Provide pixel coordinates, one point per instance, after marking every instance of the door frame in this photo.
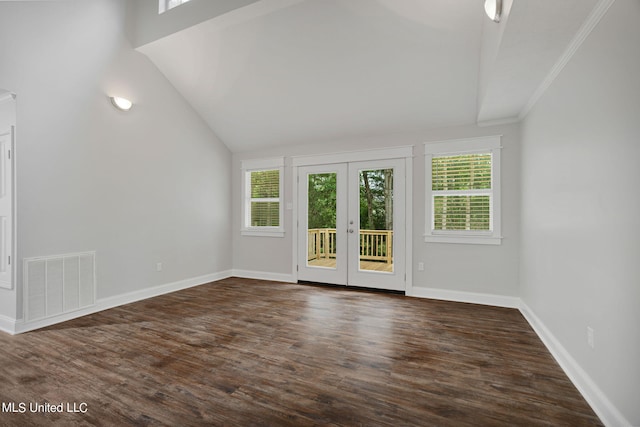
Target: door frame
(402, 152)
(13, 244)
(338, 275)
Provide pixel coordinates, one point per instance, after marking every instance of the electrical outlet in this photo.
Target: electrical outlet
(421, 266)
(159, 266)
(590, 337)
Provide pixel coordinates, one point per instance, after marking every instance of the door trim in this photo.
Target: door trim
(353, 156)
(10, 257)
(403, 152)
(338, 275)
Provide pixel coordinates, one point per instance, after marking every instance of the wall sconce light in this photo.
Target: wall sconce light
(493, 8)
(120, 103)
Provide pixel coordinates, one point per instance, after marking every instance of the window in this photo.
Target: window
(265, 198)
(165, 5)
(262, 201)
(463, 191)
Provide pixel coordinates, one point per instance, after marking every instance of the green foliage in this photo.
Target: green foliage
(377, 199)
(322, 200)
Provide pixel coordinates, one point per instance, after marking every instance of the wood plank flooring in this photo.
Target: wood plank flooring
(242, 352)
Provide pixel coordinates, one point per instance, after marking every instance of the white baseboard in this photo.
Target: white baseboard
(115, 301)
(469, 297)
(598, 401)
(110, 302)
(22, 326)
(263, 275)
(7, 325)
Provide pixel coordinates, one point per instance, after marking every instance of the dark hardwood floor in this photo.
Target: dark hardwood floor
(242, 352)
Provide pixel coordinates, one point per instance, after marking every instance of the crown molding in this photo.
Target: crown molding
(496, 122)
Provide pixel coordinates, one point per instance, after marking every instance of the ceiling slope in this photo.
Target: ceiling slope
(280, 72)
(320, 69)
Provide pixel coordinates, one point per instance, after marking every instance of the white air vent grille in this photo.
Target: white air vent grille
(58, 285)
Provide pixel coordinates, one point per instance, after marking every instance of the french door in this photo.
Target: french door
(351, 224)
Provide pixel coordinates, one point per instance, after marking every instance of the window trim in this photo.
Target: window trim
(489, 144)
(255, 165)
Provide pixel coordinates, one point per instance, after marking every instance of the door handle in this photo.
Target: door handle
(351, 230)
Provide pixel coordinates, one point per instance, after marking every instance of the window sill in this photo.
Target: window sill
(463, 239)
(262, 233)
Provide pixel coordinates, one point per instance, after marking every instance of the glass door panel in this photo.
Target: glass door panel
(376, 220)
(321, 220)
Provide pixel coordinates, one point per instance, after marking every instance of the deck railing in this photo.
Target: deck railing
(321, 243)
(375, 245)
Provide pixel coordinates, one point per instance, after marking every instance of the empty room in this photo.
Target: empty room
(320, 212)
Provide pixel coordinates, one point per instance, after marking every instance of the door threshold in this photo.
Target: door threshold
(351, 288)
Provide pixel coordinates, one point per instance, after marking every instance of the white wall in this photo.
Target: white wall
(147, 186)
(580, 205)
(489, 269)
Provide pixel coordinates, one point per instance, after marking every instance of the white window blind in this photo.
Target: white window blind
(462, 192)
(265, 198)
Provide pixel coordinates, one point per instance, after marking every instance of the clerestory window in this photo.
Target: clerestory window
(165, 5)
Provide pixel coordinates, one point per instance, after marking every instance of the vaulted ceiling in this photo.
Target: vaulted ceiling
(279, 72)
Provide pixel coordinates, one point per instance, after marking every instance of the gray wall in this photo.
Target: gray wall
(147, 186)
(580, 202)
(488, 269)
